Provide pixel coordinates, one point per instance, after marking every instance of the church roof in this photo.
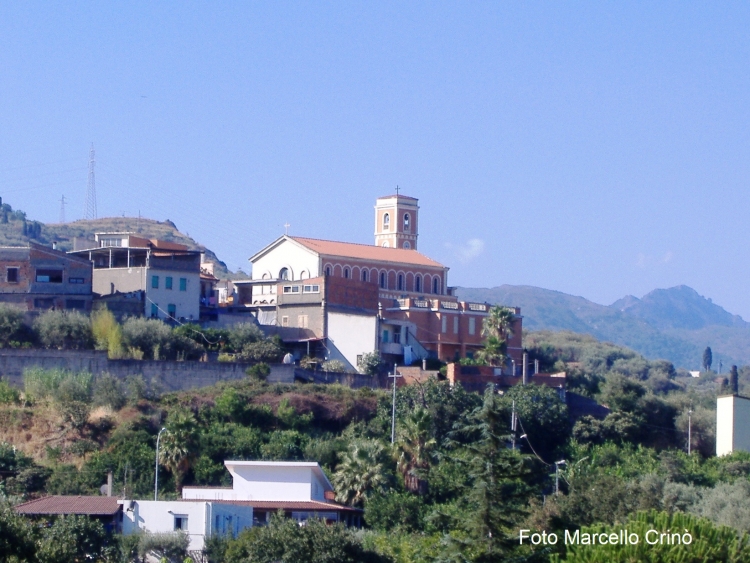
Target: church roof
(366, 252)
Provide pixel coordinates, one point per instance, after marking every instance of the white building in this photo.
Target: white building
(198, 519)
(732, 424)
(300, 489)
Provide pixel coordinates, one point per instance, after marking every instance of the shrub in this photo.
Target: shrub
(8, 395)
(11, 325)
(268, 350)
(259, 371)
(150, 336)
(336, 366)
(243, 334)
(171, 546)
(370, 363)
(107, 333)
(109, 391)
(64, 330)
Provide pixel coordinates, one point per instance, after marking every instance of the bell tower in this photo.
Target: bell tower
(396, 221)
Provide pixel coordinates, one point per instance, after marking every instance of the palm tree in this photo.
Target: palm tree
(497, 328)
(177, 450)
(361, 472)
(414, 449)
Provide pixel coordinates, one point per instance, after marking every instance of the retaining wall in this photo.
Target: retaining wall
(168, 375)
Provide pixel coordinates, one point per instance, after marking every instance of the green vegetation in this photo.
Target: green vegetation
(450, 488)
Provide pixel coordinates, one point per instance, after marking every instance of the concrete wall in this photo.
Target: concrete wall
(732, 424)
(352, 335)
(168, 376)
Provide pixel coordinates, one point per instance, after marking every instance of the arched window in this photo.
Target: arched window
(385, 244)
(407, 222)
(383, 280)
(418, 283)
(364, 275)
(387, 222)
(400, 282)
(328, 270)
(346, 273)
(284, 274)
(407, 246)
(435, 285)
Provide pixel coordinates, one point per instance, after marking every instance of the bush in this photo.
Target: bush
(42, 383)
(107, 333)
(243, 334)
(150, 336)
(171, 546)
(259, 371)
(64, 330)
(370, 363)
(336, 366)
(268, 350)
(8, 395)
(109, 392)
(11, 325)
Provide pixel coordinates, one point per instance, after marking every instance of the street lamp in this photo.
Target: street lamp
(557, 475)
(156, 465)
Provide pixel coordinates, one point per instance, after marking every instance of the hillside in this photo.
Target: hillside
(674, 324)
(17, 229)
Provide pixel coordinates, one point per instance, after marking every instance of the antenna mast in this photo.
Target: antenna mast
(62, 209)
(89, 211)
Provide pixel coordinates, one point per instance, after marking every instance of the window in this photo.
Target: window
(44, 303)
(407, 246)
(310, 289)
(418, 283)
(383, 280)
(105, 242)
(77, 304)
(284, 274)
(407, 222)
(76, 280)
(12, 275)
(386, 222)
(386, 336)
(154, 311)
(284, 321)
(180, 522)
(172, 311)
(183, 284)
(385, 244)
(302, 321)
(472, 325)
(168, 282)
(400, 282)
(444, 327)
(49, 276)
(155, 282)
(346, 273)
(328, 270)
(397, 335)
(435, 285)
(455, 325)
(364, 275)
(291, 289)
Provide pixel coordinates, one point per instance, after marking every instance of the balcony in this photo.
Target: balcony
(394, 348)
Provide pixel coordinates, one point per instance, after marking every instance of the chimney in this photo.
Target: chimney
(536, 367)
(54, 245)
(109, 483)
(525, 368)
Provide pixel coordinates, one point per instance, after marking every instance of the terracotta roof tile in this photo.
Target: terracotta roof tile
(89, 505)
(367, 252)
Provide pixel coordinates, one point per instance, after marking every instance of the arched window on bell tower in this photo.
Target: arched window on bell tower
(387, 222)
(407, 222)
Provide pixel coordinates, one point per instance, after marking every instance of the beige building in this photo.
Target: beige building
(167, 273)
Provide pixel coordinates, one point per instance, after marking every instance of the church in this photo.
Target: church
(340, 300)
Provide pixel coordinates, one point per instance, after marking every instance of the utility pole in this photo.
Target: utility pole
(557, 475)
(513, 420)
(156, 465)
(62, 209)
(393, 414)
(690, 430)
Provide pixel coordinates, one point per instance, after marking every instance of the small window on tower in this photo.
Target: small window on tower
(407, 222)
(284, 274)
(346, 273)
(364, 275)
(385, 244)
(387, 222)
(382, 280)
(407, 246)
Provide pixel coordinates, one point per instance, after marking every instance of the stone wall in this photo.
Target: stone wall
(167, 375)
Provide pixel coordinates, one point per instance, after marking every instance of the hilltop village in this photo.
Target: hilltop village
(341, 404)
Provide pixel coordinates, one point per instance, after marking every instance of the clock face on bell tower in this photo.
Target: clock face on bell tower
(396, 221)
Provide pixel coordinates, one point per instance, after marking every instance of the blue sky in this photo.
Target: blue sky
(600, 149)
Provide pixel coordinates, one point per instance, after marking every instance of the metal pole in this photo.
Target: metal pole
(690, 430)
(156, 465)
(557, 479)
(513, 425)
(393, 414)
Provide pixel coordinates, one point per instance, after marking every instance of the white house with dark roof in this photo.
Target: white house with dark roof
(298, 488)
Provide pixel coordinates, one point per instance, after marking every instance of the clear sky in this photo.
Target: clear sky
(600, 149)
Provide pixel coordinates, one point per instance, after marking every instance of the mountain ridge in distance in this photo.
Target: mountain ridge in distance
(675, 324)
